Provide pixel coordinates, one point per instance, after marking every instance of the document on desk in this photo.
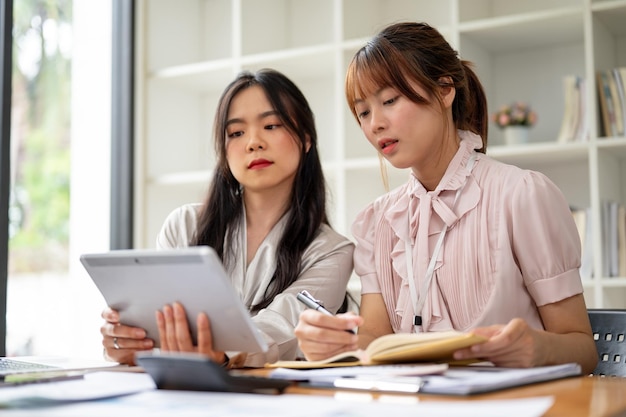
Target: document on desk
(166, 403)
(464, 380)
(93, 386)
(474, 380)
(323, 374)
(380, 378)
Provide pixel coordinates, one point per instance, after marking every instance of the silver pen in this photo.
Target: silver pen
(305, 297)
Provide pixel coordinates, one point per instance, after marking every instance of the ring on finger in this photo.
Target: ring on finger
(115, 344)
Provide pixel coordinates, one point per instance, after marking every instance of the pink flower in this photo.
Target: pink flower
(515, 114)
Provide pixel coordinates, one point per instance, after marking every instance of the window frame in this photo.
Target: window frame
(6, 65)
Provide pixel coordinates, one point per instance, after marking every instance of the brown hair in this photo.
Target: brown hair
(418, 52)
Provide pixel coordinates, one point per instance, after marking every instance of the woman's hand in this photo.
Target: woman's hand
(321, 336)
(514, 345)
(122, 342)
(567, 338)
(175, 335)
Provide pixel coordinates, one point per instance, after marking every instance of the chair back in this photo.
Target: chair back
(609, 330)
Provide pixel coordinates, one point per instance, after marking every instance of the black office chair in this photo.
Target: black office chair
(609, 332)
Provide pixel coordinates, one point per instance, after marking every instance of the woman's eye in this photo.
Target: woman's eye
(272, 126)
(234, 134)
(363, 114)
(391, 100)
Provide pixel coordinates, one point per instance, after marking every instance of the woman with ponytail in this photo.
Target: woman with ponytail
(468, 243)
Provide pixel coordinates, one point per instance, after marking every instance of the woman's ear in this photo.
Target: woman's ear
(307, 144)
(447, 91)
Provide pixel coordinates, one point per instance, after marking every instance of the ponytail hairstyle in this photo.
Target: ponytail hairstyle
(405, 52)
(223, 208)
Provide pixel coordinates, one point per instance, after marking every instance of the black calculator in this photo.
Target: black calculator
(192, 372)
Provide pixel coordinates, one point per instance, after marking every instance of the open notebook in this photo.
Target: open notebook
(396, 348)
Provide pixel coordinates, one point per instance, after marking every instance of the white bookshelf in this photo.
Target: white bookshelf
(189, 50)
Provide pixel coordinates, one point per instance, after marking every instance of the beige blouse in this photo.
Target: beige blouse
(326, 269)
(511, 245)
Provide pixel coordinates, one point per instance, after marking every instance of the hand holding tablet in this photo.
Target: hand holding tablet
(138, 282)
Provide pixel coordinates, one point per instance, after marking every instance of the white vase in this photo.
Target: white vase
(515, 135)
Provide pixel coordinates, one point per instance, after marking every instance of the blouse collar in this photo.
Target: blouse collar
(454, 178)
(456, 174)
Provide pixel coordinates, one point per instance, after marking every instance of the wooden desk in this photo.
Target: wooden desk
(573, 397)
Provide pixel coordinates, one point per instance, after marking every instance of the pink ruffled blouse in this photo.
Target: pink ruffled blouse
(511, 246)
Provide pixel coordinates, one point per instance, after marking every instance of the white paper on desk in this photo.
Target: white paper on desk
(93, 386)
(324, 374)
(161, 403)
(473, 380)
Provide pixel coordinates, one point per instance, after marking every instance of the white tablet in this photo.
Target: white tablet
(138, 282)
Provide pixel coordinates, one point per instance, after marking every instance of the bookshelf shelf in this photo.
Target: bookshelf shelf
(543, 152)
(529, 30)
(189, 50)
(617, 146)
(612, 14)
(614, 282)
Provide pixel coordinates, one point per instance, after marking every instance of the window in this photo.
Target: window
(60, 174)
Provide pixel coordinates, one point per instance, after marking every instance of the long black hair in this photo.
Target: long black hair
(223, 207)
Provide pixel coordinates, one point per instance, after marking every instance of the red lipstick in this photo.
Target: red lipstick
(259, 164)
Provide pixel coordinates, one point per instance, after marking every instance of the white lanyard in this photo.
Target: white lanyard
(419, 299)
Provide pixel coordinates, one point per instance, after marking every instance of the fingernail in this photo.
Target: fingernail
(140, 334)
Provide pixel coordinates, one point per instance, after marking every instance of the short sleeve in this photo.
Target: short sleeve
(545, 241)
(363, 231)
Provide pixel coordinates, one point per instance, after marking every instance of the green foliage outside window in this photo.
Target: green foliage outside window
(39, 212)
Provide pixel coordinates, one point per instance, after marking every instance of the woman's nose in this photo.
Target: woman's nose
(256, 142)
(254, 146)
(378, 121)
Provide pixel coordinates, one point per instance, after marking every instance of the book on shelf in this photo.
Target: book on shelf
(606, 238)
(582, 218)
(396, 348)
(603, 88)
(621, 242)
(574, 123)
(568, 123)
(610, 106)
(617, 104)
(619, 76)
(613, 239)
(582, 125)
